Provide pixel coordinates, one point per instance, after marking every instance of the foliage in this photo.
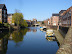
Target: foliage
(24, 24)
(18, 35)
(17, 18)
(1, 25)
(43, 22)
(7, 24)
(0, 22)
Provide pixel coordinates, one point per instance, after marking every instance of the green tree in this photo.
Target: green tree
(18, 20)
(17, 17)
(42, 22)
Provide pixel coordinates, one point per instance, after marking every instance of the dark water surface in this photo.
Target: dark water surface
(27, 41)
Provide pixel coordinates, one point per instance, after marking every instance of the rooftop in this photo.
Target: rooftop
(55, 14)
(2, 5)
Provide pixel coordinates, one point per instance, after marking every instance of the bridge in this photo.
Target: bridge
(36, 25)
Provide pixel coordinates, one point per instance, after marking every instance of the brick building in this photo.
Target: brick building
(3, 13)
(67, 17)
(55, 19)
(35, 21)
(28, 22)
(60, 16)
(46, 22)
(10, 18)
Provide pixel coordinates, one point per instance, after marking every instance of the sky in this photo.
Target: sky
(39, 9)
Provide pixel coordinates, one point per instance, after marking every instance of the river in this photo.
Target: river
(27, 41)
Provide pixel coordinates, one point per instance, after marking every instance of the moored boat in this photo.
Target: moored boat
(50, 32)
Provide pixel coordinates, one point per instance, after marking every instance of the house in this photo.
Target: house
(45, 22)
(48, 21)
(60, 16)
(28, 22)
(34, 21)
(67, 17)
(10, 19)
(3, 13)
(55, 19)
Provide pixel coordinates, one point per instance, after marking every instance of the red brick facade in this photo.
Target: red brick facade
(10, 18)
(55, 20)
(67, 18)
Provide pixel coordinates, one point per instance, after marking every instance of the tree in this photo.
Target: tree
(18, 20)
(42, 22)
(17, 17)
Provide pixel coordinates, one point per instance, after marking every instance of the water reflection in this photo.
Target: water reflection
(34, 30)
(17, 36)
(3, 42)
(25, 41)
(52, 38)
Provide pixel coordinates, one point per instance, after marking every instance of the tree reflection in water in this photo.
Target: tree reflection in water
(17, 36)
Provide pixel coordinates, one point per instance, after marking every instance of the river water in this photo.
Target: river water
(27, 41)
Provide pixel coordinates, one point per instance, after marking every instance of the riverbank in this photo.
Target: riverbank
(66, 46)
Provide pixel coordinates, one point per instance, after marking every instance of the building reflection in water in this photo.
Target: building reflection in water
(29, 30)
(52, 38)
(34, 30)
(3, 43)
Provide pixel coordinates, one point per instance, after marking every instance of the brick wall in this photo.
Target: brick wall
(55, 20)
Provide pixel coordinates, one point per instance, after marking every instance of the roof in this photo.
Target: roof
(62, 11)
(67, 10)
(2, 5)
(55, 14)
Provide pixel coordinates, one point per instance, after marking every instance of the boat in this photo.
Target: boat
(50, 32)
(41, 28)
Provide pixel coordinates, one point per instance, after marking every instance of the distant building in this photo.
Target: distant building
(67, 17)
(46, 22)
(39, 22)
(60, 16)
(28, 22)
(3, 13)
(34, 21)
(54, 19)
(10, 19)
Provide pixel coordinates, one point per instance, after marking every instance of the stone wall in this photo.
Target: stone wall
(66, 47)
(63, 30)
